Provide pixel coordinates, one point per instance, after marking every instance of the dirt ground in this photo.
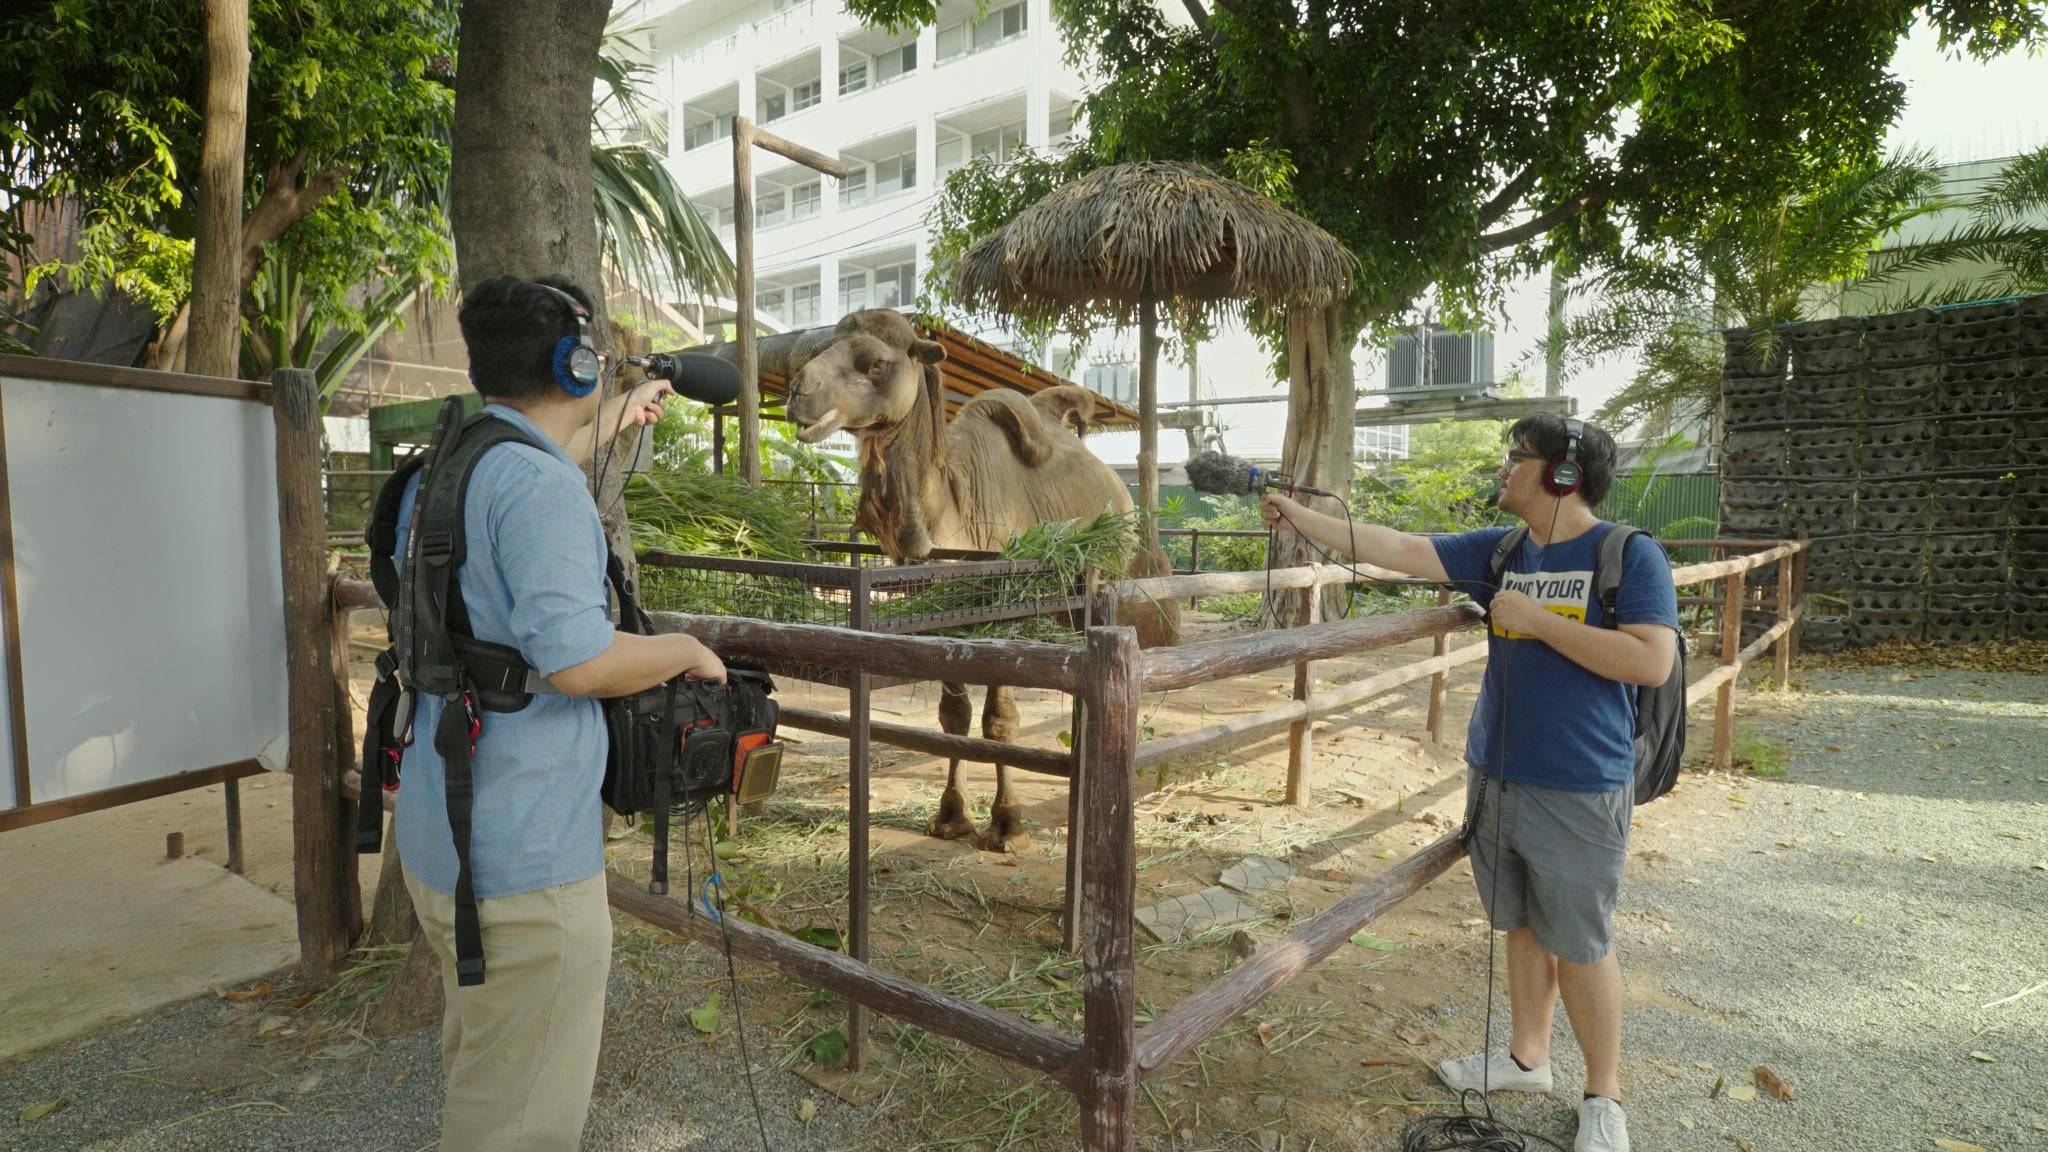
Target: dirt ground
(1337, 1060)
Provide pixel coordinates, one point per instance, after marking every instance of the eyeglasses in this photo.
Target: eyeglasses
(1516, 456)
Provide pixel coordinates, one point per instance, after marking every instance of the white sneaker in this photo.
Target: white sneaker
(1603, 1126)
(1476, 1073)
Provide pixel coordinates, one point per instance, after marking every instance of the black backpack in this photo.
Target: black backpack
(1660, 708)
(671, 747)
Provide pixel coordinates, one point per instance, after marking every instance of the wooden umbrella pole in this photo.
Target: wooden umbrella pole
(1148, 419)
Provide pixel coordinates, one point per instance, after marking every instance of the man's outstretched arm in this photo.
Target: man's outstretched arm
(1373, 544)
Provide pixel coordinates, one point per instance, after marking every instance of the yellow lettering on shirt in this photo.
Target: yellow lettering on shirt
(1565, 593)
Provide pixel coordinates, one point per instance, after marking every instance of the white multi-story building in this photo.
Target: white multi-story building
(900, 110)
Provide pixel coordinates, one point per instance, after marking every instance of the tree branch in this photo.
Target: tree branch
(1357, 135)
(284, 203)
(1198, 14)
(1504, 200)
(1537, 226)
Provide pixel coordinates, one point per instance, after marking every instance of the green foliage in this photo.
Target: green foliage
(1444, 485)
(1797, 257)
(353, 95)
(1419, 140)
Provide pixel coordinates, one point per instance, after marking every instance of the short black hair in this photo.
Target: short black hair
(1545, 433)
(511, 327)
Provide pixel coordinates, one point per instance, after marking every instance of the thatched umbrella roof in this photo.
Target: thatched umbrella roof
(1175, 233)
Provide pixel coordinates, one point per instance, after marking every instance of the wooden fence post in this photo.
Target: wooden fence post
(1731, 647)
(1799, 590)
(1442, 647)
(323, 858)
(1781, 652)
(1301, 754)
(1100, 612)
(857, 714)
(1107, 1079)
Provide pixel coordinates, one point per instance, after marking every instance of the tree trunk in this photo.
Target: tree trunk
(215, 329)
(391, 917)
(1322, 398)
(414, 998)
(520, 191)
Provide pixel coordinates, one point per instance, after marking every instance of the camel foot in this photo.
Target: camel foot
(950, 822)
(1005, 832)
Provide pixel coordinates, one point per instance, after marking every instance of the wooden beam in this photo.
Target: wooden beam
(1714, 570)
(1435, 724)
(934, 1011)
(132, 379)
(48, 810)
(1196, 1018)
(1195, 584)
(743, 299)
(1731, 646)
(1241, 730)
(816, 161)
(324, 885)
(1301, 733)
(1018, 663)
(1107, 1072)
(1207, 661)
(1781, 663)
(1045, 761)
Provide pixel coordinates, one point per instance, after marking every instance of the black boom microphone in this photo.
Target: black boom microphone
(697, 376)
(1220, 475)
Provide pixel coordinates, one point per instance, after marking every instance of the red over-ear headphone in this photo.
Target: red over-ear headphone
(1563, 475)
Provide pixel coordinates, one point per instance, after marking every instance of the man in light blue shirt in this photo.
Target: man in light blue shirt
(520, 1051)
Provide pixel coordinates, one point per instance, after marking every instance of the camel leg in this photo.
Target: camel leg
(1005, 831)
(956, 713)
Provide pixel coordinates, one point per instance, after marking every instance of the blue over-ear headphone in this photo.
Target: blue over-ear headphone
(576, 363)
(1563, 475)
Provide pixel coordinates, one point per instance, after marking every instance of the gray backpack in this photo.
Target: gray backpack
(1660, 708)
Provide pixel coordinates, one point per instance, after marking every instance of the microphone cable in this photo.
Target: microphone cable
(1463, 1130)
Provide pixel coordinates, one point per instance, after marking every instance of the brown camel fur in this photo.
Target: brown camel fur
(1003, 464)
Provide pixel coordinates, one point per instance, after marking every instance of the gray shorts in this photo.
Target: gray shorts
(1558, 865)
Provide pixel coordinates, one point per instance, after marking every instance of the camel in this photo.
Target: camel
(1003, 464)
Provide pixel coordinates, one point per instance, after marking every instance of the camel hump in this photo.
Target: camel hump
(1019, 420)
(1068, 405)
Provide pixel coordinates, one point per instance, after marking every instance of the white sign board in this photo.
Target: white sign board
(147, 577)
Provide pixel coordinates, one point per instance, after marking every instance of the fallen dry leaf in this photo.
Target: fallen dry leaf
(1959, 1146)
(806, 1111)
(1670, 1070)
(1719, 1083)
(1743, 1145)
(1413, 1035)
(1742, 1092)
(1377, 1062)
(1983, 1057)
(1686, 1123)
(1771, 1083)
(38, 1111)
(1265, 1033)
(250, 993)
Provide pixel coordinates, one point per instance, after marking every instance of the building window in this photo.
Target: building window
(853, 292)
(774, 108)
(1119, 382)
(771, 208)
(853, 77)
(895, 63)
(769, 302)
(950, 154)
(952, 41)
(895, 286)
(854, 189)
(896, 174)
(998, 144)
(997, 27)
(803, 201)
(707, 131)
(805, 95)
(1061, 123)
(803, 305)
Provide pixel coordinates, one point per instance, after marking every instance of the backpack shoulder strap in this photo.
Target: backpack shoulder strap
(382, 533)
(1608, 564)
(1505, 551)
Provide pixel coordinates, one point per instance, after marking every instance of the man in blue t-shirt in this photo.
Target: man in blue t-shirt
(1550, 751)
(519, 1051)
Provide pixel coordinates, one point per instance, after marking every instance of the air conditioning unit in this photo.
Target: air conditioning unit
(1435, 362)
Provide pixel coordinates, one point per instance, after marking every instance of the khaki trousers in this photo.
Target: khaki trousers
(519, 1051)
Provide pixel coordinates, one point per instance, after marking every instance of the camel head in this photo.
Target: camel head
(870, 377)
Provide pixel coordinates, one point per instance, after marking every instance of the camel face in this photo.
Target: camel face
(861, 382)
